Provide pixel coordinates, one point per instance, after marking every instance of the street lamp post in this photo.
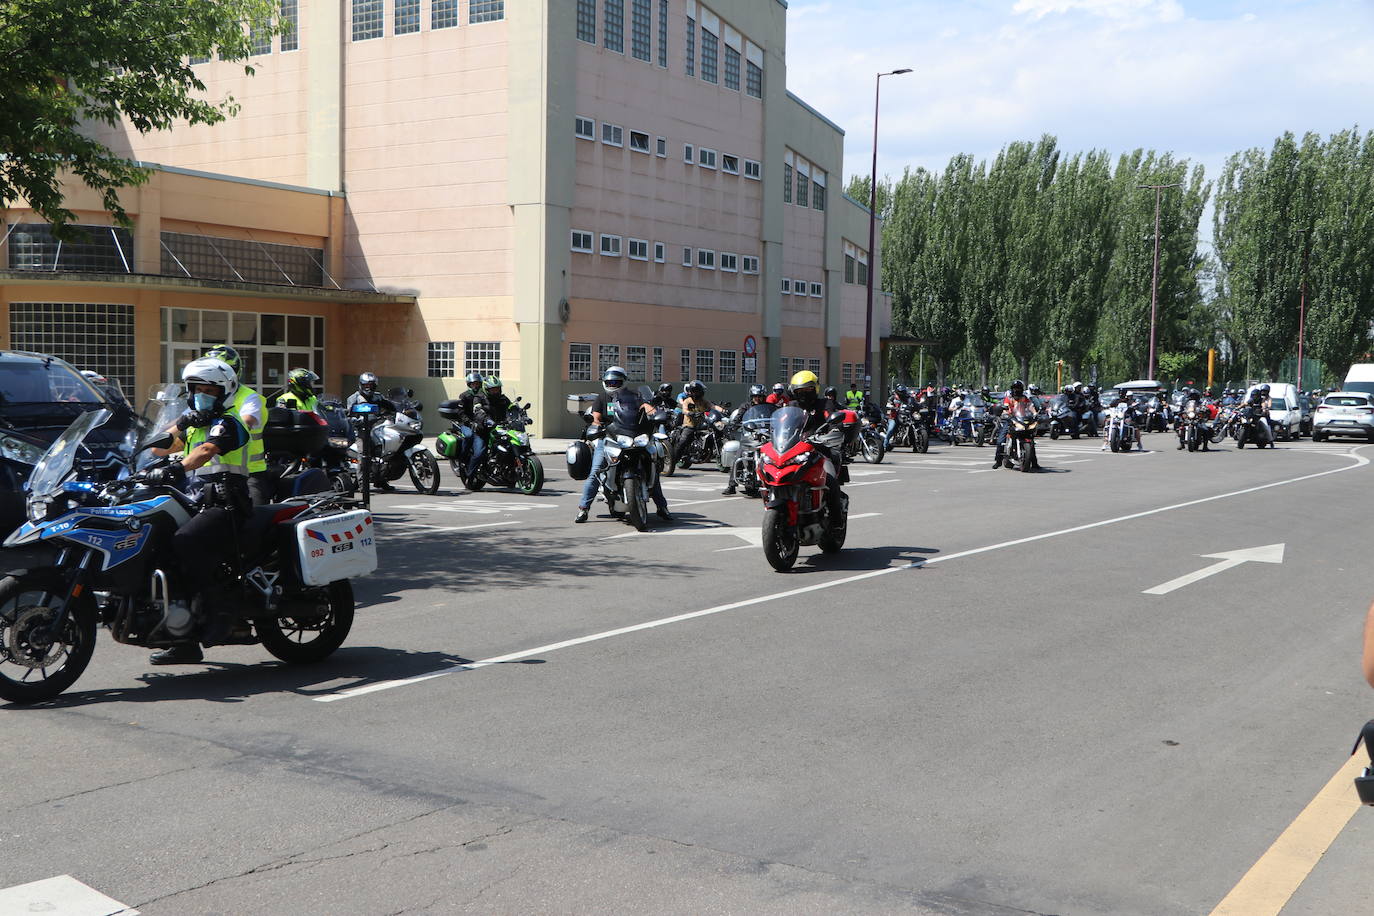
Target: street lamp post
(872, 224)
(1302, 300)
(1154, 276)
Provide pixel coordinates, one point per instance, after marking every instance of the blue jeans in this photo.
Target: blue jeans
(887, 436)
(474, 446)
(593, 484)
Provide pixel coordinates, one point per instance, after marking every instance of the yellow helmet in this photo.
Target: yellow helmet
(805, 380)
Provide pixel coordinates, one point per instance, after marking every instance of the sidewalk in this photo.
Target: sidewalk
(544, 446)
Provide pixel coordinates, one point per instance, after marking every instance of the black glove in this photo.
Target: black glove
(171, 475)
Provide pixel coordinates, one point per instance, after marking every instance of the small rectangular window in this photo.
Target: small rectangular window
(706, 365)
(786, 183)
(706, 158)
(798, 287)
(753, 79)
(814, 366)
(290, 25)
(729, 164)
(685, 363)
(610, 246)
(751, 264)
(706, 259)
(641, 25)
(586, 19)
(407, 17)
(815, 290)
(786, 286)
(729, 262)
(817, 196)
(691, 46)
(849, 268)
(660, 252)
(726, 367)
(486, 10)
(443, 14)
(637, 363)
(441, 359)
(586, 128)
(612, 134)
(663, 33)
(662, 148)
(686, 257)
(656, 366)
(607, 355)
(731, 68)
(613, 26)
(687, 153)
(803, 190)
(482, 356)
(639, 249)
(581, 241)
(639, 141)
(710, 47)
(579, 362)
(753, 169)
(862, 274)
(367, 19)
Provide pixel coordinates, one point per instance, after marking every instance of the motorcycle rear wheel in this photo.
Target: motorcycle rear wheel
(780, 541)
(833, 541)
(304, 642)
(424, 473)
(529, 475)
(75, 644)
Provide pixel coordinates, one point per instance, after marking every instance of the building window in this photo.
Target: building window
(663, 33)
(88, 335)
(729, 262)
(613, 26)
(482, 356)
(639, 250)
(662, 148)
(753, 79)
(706, 364)
(239, 259)
(582, 241)
(290, 25)
(259, 39)
(636, 363)
(798, 287)
(97, 249)
(729, 164)
(691, 46)
(443, 14)
(803, 190)
(610, 246)
(706, 259)
(612, 134)
(639, 141)
(586, 128)
(367, 19)
(861, 274)
(441, 359)
(486, 10)
(660, 253)
(753, 169)
(731, 68)
(657, 366)
(786, 183)
(685, 363)
(641, 24)
(579, 362)
(786, 286)
(687, 153)
(817, 196)
(727, 366)
(407, 17)
(710, 47)
(686, 257)
(607, 355)
(273, 343)
(586, 20)
(848, 268)
(816, 290)
(706, 158)
(814, 366)
(751, 264)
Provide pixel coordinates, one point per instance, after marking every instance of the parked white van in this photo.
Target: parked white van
(1285, 414)
(1360, 378)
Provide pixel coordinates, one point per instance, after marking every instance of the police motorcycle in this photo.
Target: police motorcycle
(633, 448)
(740, 455)
(508, 460)
(92, 552)
(396, 447)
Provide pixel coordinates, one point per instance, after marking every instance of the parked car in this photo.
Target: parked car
(39, 397)
(1344, 413)
(1285, 414)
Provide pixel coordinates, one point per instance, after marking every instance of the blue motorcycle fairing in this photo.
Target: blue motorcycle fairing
(116, 545)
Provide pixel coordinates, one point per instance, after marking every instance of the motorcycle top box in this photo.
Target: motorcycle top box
(451, 410)
(334, 547)
(297, 433)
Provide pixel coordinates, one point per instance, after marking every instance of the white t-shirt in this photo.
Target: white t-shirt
(250, 409)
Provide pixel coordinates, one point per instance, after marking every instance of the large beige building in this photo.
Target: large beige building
(536, 188)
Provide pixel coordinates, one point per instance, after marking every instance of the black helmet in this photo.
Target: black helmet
(367, 383)
(474, 380)
(901, 390)
(696, 389)
(1017, 388)
(665, 390)
(832, 393)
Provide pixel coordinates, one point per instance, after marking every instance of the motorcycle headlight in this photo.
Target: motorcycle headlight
(522, 439)
(19, 450)
(624, 441)
(38, 509)
(613, 449)
(338, 442)
(720, 424)
(642, 441)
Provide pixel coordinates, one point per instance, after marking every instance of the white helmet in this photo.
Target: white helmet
(613, 379)
(210, 371)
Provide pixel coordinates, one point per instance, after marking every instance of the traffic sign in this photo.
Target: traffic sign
(750, 345)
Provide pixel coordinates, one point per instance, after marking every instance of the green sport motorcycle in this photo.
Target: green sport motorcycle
(508, 460)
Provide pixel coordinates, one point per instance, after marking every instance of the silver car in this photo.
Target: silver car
(1344, 413)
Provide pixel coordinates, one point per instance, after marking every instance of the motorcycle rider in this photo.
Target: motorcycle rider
(1017, 404)
(900, 397)
(216, 450)
(1259, 399)
(247, 407)
(369, 392)
(300, 391)
(473, 412)
(663, 398)
(1206, 413)
(854, 398)
(694, 408)
(758, 397)
(805, 391)
(779, 397)
(615, 395)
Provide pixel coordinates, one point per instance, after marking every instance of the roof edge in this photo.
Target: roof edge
(228, 287)
(794, 97)
(236, 179)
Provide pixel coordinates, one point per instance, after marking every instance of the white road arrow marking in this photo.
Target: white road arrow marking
(1273, 553)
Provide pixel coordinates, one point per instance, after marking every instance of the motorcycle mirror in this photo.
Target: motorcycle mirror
(162, 440)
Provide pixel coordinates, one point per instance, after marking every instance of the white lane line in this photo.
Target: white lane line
(385, 525)
(1360, 461)
(62, 894)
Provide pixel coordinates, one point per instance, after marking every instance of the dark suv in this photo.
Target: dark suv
(39, 397)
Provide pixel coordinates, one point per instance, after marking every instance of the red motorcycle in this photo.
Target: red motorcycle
(794, 478)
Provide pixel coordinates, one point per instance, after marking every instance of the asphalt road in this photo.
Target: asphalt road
(975, 708)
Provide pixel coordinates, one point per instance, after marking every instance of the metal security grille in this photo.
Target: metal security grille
(753, 79)
(731, 68)
(290, 25)
(486, 10)
(641, 24)
(586, 20)
(579, 362)
(636, 361)
(88, 335)
(482, 356)
(613, 32)
(443, 14)
(710, 48)
(240, 259)
(407, 16)
(367, 19)
(663, 33)
(441, 359)
(98, 249)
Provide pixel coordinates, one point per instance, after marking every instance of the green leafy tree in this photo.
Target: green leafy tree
(1019, 195)
(858, 189)
(1080, 242)
(68, 62)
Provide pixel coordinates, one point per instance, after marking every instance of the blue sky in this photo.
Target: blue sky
(1203, 79)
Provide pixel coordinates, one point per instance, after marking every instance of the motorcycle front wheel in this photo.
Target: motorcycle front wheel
(920, 441)
(306, 640)
(529, 475)
(635, 512)
(343, 483)
(780, 541)
(32, 666)
(872, 448)
(424, 473)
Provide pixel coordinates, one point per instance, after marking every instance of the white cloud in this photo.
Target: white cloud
(1163, 10)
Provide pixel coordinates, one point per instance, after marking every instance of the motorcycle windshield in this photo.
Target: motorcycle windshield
(758, 413)
(162, 410)
(786, 426)
(57, 461)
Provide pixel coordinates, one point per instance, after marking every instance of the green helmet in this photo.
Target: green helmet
(226, 354)
(492, 383)
(301, 383)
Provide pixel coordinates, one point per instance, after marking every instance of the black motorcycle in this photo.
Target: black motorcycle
(700, 444)
(630, 472)
(1067, 420)
(333, 459)
(1252, 428)
(909, 430)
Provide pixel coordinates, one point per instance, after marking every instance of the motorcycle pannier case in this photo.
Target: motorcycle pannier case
(296, 433)
(728, 453)
(334, 547)
(579, 460)
(446, 444)
(450, 410)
